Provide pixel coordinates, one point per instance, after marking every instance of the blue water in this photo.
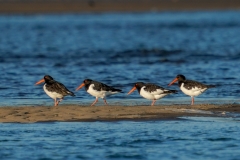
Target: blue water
(183, 139)
(119, 49)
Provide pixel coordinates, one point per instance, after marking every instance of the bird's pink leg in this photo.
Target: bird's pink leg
(59, 101)
(153, 102)
(105, 101)
(192, 101)
(94, 101)
(55, 102)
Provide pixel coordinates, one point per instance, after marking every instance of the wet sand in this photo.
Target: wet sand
(72, 113)
(59, 6)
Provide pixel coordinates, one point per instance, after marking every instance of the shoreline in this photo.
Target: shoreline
(80, 6)
(77, 113)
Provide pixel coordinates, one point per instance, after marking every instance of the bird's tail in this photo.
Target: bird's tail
(170, 91)
(117, 90)
(211, 86)
(71, 93)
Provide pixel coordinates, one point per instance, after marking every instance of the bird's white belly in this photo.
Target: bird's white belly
(160, 96)
(53, 95)
(148, 95)
(96, 93)
(100, 94)
(192, 92)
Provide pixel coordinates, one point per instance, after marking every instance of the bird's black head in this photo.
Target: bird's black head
(139, 85)
(47, 78)
(181, 77)
(87, 81)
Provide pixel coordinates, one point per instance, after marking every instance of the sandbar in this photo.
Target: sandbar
(78, 113)
(76, 6)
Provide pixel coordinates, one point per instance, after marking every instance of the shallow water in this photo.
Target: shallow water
(186, 138)
(119, 49)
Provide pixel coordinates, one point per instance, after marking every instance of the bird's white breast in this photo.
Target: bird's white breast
(53, 95)
(151, 95)
(193, 91)
(101, 94)
(94, 92)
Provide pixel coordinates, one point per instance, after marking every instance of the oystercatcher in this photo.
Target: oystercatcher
(151, 91)
(54, 89)
(189, 87)
(98, 90)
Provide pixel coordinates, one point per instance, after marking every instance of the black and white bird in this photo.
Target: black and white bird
(151, 91)
(189, 87)
(98, 90)
(54, 89)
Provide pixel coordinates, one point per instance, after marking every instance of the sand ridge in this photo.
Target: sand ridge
(63, 6)
(71, 113)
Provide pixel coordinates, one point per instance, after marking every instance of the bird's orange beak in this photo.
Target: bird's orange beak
(39, 82)
(80, 86)
(133, 89)
(175, 80)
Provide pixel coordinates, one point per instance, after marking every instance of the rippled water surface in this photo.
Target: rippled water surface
(119, 49)
(186, 138)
